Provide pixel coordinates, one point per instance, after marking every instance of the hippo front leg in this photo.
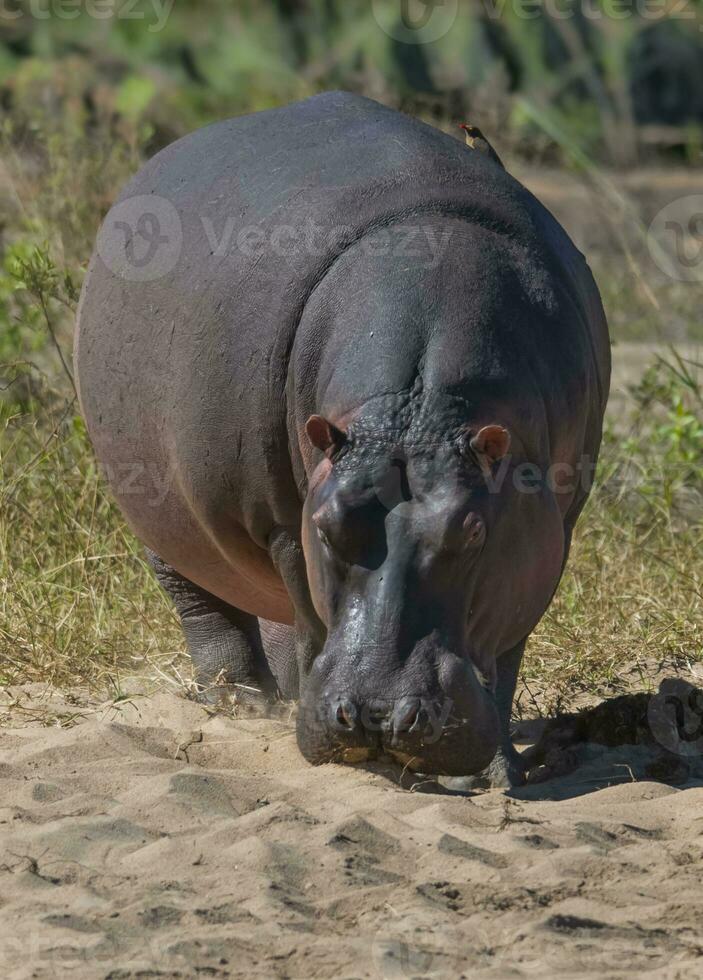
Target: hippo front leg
(224, 642)
(279, 643)
(507, 768)
(287, 556)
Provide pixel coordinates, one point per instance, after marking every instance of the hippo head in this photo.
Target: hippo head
(425, 564)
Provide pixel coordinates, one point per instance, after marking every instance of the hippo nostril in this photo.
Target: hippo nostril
(343, 715)
(406, 716)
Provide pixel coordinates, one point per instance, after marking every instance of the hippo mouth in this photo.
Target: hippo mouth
(358, 756)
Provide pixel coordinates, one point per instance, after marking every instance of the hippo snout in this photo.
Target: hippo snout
(453, 732)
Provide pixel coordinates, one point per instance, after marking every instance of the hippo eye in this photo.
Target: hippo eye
(474, 530)
(324, 540)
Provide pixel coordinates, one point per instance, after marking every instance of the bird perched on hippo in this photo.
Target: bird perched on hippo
(357, 374)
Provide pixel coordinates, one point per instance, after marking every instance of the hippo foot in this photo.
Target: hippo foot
(506, 771)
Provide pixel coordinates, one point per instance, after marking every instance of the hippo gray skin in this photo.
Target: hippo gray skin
(346, 378)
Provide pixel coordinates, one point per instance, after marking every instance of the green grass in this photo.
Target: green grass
(77, 602)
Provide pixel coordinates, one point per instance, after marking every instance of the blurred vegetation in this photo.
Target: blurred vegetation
(616, 77)
(85, 99)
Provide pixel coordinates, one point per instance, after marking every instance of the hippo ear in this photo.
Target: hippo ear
(490, 444)
(324, 435)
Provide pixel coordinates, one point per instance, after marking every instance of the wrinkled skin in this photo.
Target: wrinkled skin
(346, 427)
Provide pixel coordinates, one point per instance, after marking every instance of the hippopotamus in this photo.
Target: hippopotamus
(346, 379)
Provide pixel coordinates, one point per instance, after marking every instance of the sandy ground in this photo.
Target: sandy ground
(151, 839)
